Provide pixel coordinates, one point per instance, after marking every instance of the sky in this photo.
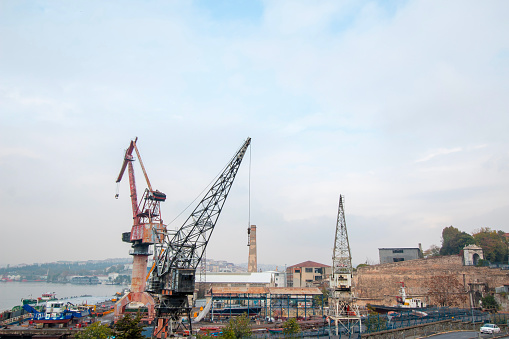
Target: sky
(400, 106)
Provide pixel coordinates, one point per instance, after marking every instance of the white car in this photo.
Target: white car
(490, 328)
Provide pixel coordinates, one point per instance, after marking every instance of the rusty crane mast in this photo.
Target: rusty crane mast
(343, 309)
(147, 225)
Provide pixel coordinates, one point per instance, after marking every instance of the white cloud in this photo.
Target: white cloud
(7, 152)
(438, 152)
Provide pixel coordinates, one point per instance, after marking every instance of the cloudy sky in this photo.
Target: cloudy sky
(401, 106)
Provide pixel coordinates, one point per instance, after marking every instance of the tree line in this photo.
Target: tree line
(494, 243)
(59, 271)
(130, 327)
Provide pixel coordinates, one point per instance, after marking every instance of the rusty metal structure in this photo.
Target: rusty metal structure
(342, 306)
(172, 281)
(145, 231)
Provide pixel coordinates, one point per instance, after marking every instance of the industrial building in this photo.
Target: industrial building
(307, 274)
(390, 255)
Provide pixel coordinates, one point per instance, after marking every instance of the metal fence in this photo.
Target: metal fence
(396, 320)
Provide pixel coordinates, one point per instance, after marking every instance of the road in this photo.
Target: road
(463, 335)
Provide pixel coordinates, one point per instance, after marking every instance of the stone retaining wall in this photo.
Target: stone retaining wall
(379, 284)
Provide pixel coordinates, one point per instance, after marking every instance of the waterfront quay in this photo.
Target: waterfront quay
(48, 333)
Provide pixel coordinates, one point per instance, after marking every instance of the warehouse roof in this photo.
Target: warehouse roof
(295, 290)
(238, 290)
(266, 290)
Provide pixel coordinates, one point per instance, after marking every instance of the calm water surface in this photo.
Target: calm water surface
(11, 293)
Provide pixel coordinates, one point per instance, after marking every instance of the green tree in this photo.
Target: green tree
(122, 279)
(238, 327)
(129, 327)
(453, 241)
(95, 331)
(291, 327)
(373, 322)
(319, 298)
(493, 243)
(489, 303)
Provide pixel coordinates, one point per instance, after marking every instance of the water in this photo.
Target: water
(11, 293)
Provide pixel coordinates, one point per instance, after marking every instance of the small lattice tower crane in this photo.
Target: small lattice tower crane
(342, 307)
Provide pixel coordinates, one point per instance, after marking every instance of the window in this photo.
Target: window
(318, 270)
(297, 270)
(309, 270)
(397, 251)
(318, 277)
(398, 259)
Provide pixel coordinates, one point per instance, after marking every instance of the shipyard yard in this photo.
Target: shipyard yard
(254, 169)
(176, 295)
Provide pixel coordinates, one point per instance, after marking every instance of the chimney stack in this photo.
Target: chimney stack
(251, 263)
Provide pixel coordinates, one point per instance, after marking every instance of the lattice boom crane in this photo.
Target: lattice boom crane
(341, 279)
(173, 279)
(343, 309)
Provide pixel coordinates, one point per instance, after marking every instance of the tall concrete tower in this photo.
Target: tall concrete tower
(251, 263)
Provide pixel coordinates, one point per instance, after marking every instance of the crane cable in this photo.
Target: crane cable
(249, 192)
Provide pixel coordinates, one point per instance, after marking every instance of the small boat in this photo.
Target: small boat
(403, 303)
(80, 311)
(48, 296)
(30, 301)
(57, 312)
